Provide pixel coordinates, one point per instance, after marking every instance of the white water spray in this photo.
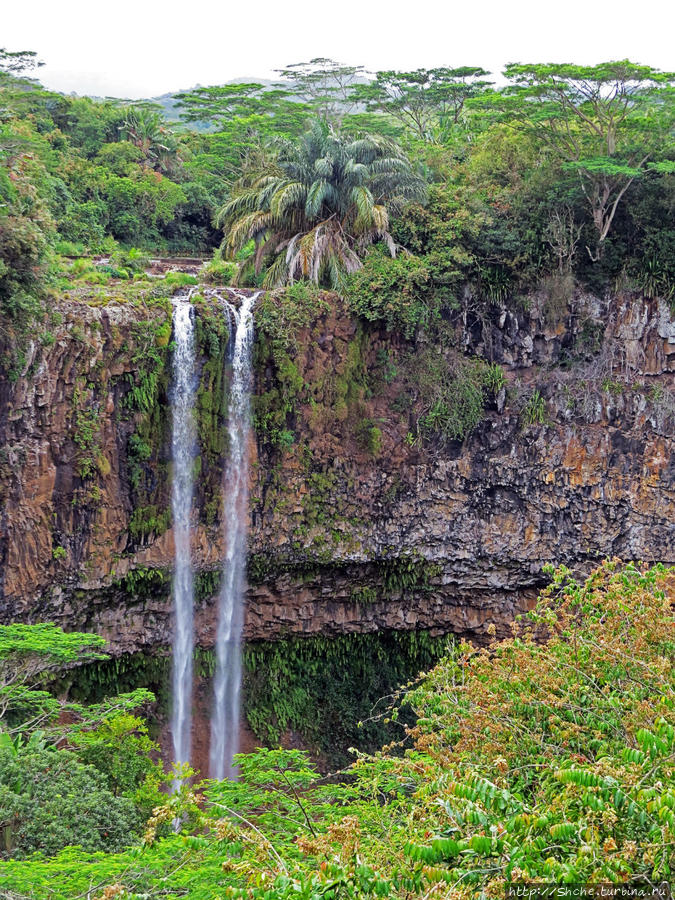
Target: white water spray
(225, 720)
(183, 441)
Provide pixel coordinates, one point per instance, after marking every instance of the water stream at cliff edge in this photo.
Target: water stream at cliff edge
(183, 442)
(227, 681)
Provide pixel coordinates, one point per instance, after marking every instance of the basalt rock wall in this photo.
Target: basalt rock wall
(358, 519)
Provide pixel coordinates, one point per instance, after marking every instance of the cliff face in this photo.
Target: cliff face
(357, 523)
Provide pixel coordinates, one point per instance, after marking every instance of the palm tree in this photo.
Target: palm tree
(316, 205)
(146, 130)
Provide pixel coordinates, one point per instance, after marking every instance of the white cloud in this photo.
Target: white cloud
(135, 49)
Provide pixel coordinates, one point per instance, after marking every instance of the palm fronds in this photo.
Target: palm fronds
(316, 205)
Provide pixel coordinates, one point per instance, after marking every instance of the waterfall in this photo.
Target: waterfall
(225, 720)
(183, 440)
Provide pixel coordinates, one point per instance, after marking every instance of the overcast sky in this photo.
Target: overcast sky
(132, 48)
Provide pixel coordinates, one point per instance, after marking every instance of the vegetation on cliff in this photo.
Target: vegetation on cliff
(547, 757)
(427, 197)
(437, 204)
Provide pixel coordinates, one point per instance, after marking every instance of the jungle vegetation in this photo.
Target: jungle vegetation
(424, 197)
(546, 757)
(564, 170)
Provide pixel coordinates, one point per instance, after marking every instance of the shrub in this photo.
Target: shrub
(132, 260)
(397, 292)
(50, 800)
(534, 411)
(121, 750)
(218, 271)
(449, 391)
(554, 749)
(370, 437)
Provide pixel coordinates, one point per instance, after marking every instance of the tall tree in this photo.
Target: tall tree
(315, 207)
(606, 122)
(426, 101)
(29, 655)
(18, 62)
(15, 83)
(216, 104)
(247, 106)
(326, 85)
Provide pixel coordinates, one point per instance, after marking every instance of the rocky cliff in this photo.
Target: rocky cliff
(362, 516)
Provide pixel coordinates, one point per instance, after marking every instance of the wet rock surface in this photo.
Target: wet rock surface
(450, 538)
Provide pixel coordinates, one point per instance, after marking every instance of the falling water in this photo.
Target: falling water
(225, 721)
(182, 450)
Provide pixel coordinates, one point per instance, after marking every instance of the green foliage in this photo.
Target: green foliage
(370, 437)
(26, 226)
(220, 271)
(143, 401)
(97, 788)
(49, 800)
(655, 279)
(93, 171)
(149, 520)
(399, 292)
(429, 102)
(324, 687)
(406, 572)
(282, 317)
(44, 645)
(112, 677)
(207, 584)
(30, 655)
(545, 758)
(145, 130)
(133, 259)
(234, 108)
(86, 435)
(449, 392)
(326, 86)
(589, 782)
(534, 411)
(122, 752)
(139, 452)
(150, 341)
(80, 174)
(32, 659)
(595, 119)
(318, 204)
(144, 582)
(18, 62)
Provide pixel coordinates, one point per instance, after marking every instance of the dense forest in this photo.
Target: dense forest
(414, 197)
(401, 190)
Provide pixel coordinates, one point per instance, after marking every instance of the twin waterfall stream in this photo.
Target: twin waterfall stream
(227, 680)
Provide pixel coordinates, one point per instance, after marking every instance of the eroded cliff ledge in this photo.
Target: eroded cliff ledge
(358, 522)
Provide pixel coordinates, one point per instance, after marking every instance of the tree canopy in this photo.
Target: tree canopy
(427, 101)
(326, 86)
(605, 122)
